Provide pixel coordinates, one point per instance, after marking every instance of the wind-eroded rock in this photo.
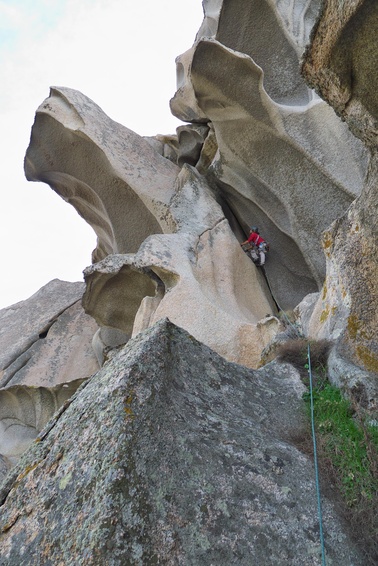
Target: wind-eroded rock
(285, 162)
(190, 269)
(170, 455)
(45, 353)
(46, 339)
(24, 411)
(205, 284)
(114, 178)
(261, 148)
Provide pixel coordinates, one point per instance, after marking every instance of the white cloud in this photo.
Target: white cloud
(121, 54)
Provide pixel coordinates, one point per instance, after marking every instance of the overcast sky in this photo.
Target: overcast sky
(120, 53)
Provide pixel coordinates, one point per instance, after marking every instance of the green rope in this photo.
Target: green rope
(300, 335)
(316, 458)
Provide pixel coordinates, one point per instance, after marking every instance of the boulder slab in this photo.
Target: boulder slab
(186, 459)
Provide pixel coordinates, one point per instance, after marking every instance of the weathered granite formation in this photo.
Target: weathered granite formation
(170, 455)
(190, 268)
(24, 412)
(260, 147)
(341, 64)
(284, 162)
(45, 353)
(46, 340)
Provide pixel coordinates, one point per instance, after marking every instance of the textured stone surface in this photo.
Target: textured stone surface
(24, 411)
(170, 454)
(285, 162)
(65, 352)
(273, 153)
(206, 284)
(185, 460)
(260, 148)
(46, 339)
(340, 63)
(113, 177)
(195, 272)
(341, 60)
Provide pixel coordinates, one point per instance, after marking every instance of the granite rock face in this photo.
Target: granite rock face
(285, 162)
(259, 147)
(169, 249)
(114, 178)
(45, 354)
(46, 339)
(24, 411)
(170, 455)
(340, 63)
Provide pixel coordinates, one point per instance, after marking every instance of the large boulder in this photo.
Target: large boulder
(45, 354)
(170, 455)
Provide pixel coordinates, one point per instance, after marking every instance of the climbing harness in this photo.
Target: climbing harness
(309, 369)
(256, 253)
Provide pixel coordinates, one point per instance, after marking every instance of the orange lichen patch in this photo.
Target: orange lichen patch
(9, 524)
(55, 464)
(353, 326)
(369, 360)
(358, 329)
(327, 243)
(128, 410)
(324, 294)
(23, 474)
(324, 315)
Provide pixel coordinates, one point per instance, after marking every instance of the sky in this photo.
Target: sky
(121, 54)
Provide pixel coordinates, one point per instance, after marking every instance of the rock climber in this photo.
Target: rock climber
(254, 237)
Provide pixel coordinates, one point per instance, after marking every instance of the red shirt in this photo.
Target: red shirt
(255, 238)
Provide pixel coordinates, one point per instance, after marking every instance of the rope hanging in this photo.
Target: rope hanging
(316, 458)
(318, 496)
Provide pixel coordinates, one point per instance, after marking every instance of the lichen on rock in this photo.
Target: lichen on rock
(170, 455)
(338, 63)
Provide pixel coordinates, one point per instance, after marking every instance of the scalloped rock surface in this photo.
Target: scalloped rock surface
(190, 268)
(24, 411)
(285, 162)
